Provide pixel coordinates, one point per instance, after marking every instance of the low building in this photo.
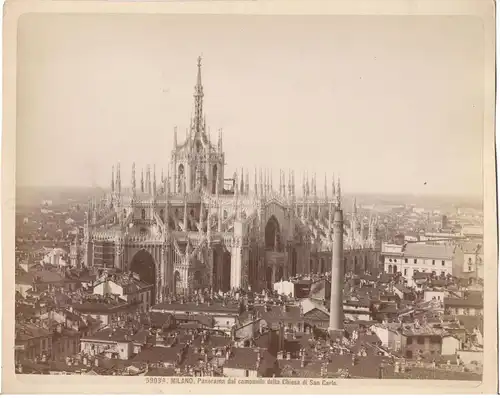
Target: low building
(128, 287)
(113, 343)
(24, 284)
(357, 310)
(434, 294)
(56, 257)
(471, 305)
(65, 342)
(389, 335)
(470, 264)
(43, 278)
(421, 341)
(32, 341)
(299, 288)
(393, 257)
(403, 292)
(434, 259)
(224, 314)
(450, 345)
(250, 362)
(104, 309)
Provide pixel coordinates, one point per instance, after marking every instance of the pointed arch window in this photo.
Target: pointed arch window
(180, 178)
(214, 179)
(143, 214)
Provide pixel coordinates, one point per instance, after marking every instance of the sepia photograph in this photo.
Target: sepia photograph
(207, 199)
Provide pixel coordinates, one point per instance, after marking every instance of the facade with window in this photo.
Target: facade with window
(225, 315)
(414, 258)
(470, 263)
(425, 344)
(113, 343)
(472, 305)
(32, 341)
(128, 287)
(393, 257)
(436, 295)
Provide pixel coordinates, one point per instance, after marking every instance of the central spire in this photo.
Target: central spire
(198, 103)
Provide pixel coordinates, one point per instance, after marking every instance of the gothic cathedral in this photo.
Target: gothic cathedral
(196, 229)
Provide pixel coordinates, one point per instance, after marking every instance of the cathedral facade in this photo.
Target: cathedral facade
(194, 229)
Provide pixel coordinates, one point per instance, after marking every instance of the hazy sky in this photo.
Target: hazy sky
(387, 103)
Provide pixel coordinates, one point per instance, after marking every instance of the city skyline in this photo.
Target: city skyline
(107, 107)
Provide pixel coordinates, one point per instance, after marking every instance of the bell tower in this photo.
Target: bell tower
(197, 163)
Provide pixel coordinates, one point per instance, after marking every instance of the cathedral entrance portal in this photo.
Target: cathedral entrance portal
(144, 265)
(272, 234)
(269, 278)
(279, 274)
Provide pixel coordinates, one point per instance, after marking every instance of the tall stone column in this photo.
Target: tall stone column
(236, 264)
(337, 282)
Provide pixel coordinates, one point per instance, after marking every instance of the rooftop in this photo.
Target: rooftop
(471, 302)
(438, 252)
(216, 307)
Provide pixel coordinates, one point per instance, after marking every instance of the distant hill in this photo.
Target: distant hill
(33, 196)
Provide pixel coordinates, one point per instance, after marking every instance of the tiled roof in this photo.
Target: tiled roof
(402, 288)
(438, 252)
(230, 308)
(160, 372)
(158, 354)
(113, 335)
(276, 313)
(470, 322)
(102, 307)
(472, 247)
(40, 276)
(422, 330)
(129, 283)
(213, 341)
(246, 358)
(157, 319)
(28, 331)
(471, 302)
(364, 367)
